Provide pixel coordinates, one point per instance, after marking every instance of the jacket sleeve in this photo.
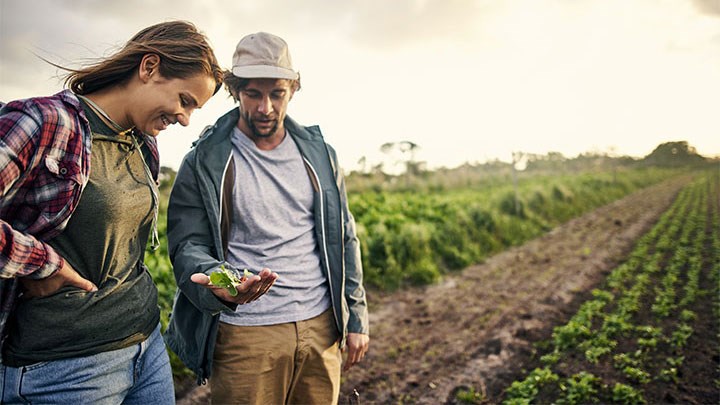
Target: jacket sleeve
(190, 240)
(354, 290)
(21, 254)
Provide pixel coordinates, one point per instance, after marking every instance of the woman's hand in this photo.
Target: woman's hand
(50, 285)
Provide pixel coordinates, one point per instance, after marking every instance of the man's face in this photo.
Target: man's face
(263, 105)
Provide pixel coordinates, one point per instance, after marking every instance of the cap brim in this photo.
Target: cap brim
(264, 71)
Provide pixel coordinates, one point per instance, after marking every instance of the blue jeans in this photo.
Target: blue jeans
(139, 374)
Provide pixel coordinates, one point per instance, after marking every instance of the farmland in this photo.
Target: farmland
(496, 330)
(467, 283)
(412, 238)
(644, 336)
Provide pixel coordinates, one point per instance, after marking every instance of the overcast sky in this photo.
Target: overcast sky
(466, 80)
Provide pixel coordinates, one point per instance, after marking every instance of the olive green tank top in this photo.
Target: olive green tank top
(105, 242)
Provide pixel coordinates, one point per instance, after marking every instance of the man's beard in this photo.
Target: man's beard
(257, 132)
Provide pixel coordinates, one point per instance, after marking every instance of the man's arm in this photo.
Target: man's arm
(354, 289)
(190, 241)
(358, 339)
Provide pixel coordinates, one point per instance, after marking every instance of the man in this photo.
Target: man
(259, 191)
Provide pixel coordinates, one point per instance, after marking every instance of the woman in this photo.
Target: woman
(78, 202)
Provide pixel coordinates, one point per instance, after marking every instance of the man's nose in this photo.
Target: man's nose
(265, 106)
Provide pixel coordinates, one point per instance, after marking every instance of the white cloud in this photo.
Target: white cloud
(466, 80)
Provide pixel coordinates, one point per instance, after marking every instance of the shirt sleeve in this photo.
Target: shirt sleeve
(21, 254)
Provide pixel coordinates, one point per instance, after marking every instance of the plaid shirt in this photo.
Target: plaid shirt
(45, 146)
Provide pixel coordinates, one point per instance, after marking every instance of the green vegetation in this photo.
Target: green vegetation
(523, 392)
(228, 279)
(413, 238)
(470, 396)
(641, 321)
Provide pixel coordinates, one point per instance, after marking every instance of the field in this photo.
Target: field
(446, 329)
(414, 238)
(650, 333)
(467, 339)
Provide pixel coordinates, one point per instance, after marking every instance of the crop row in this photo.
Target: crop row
(411, 238)
(634, 331)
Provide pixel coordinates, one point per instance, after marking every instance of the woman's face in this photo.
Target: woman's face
(162, 102)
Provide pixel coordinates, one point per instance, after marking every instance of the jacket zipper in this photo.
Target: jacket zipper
(222, 190)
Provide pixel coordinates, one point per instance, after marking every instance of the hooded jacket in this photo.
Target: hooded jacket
(199, 223)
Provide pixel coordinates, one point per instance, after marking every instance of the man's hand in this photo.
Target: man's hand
(48, 286)
(253, 288)
(356, 346)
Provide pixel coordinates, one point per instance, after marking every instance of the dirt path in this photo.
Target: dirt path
(475, 329)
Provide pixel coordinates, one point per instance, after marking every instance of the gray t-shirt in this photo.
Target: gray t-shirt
(274, 227)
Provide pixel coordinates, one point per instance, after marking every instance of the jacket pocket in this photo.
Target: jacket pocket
(64, 169)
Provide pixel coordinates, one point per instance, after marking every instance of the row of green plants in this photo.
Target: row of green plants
(642, 319)
(414, 238)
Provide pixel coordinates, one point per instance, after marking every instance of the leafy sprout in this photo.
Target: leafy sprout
(228, 279)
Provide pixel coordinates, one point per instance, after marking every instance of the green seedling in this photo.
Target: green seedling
(228, 279)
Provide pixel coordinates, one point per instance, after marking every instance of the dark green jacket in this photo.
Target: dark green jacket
(199, 222)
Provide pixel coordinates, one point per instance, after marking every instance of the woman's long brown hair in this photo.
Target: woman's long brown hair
(183, 52)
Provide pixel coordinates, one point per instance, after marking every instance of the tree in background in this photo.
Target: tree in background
(674, 154)
(406, 151)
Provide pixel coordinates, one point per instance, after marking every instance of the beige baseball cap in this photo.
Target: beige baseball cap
(263, 55)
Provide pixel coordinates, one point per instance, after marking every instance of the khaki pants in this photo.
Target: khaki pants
(290, 363)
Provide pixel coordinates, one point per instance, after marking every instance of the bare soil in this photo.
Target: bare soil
(476, 329)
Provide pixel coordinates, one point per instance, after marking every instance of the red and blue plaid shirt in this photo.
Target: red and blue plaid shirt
(45, 146)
